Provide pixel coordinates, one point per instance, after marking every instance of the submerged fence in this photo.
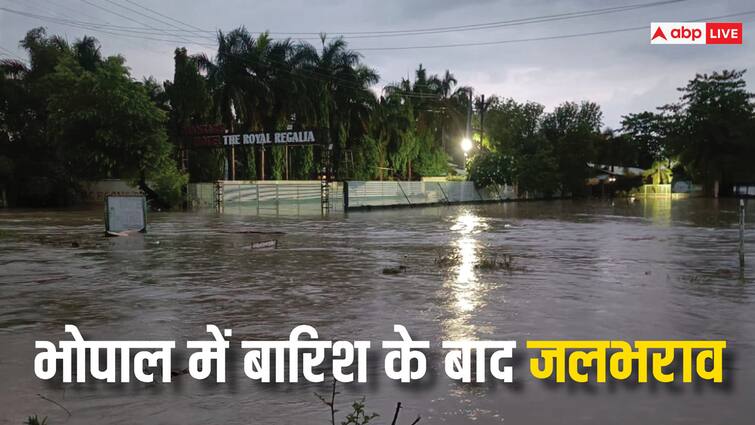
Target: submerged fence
(361, 194)
(305, 197)
(266, 197)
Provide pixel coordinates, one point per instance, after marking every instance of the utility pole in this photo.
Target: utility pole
(233, 162)
(469, 116)
(741, 233)
(483, 107)
(482, 119)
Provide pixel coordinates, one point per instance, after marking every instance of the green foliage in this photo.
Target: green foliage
(34, 420)
(646, 133)
(660, 173)
(511, 125)
(358, 416)
(572, 130)
(490, 168)
(541, 153)
(710, 129)
(431, 162)
(73, 116)
(168, 182)
(302, 163)
(366, 159)
(104, 122)
(188, 93)
(278, 156)
(416, 124)
(536, 169)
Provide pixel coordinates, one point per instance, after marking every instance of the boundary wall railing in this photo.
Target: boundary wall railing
(305, 197)
(362, 194)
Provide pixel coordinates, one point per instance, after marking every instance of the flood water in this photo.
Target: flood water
(581, 270)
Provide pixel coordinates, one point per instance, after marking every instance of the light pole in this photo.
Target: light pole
(466, 146)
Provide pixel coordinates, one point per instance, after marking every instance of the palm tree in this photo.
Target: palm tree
(235, 89)
(435, 106)
(660, 172)
(228, 76)
(340, 85)
(452, 104)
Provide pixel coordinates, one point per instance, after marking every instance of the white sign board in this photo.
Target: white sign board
(123, 213)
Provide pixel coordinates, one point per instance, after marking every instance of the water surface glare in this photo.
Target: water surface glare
(580, 270)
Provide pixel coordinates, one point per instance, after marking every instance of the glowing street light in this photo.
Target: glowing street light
(466, 145)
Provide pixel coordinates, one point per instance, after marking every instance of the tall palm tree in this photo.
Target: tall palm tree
(341, 86)
(228, 76)
(452, 105)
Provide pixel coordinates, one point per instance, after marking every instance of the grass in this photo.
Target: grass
(34, 420)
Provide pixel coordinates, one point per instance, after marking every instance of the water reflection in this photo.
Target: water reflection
(465, 288)
(583, 270)
(658, 210)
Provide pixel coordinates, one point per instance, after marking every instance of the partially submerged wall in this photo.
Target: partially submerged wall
(362, 194)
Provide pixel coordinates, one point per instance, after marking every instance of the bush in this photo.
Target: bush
(490, 168)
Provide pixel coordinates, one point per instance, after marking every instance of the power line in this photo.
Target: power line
(106, 29)
(167, 17)
(180, 32)
(313, 74)
(523, 40)
(495, 24)
(325, 77)
(143, 14)
(127, 17)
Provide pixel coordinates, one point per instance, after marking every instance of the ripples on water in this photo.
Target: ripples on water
(588, 270)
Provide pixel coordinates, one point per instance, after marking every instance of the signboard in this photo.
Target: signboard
(304, 137)
(125, 213)
(215, 137)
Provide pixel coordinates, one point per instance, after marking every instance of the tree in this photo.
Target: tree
(71, 116)
(431, 108)
(646, 134)
(710, 129)
(108, 127)
(190, 104)
(490, 168)
(340, 95)
(514, 129)
(572, 129)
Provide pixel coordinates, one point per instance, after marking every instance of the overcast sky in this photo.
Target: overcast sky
(621, 71)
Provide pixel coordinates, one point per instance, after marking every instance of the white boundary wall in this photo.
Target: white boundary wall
(394, 193)
(303, 197)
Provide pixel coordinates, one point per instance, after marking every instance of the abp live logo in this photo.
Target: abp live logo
(696, 33)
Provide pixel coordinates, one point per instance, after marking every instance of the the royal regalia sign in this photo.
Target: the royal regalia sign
(209, 136)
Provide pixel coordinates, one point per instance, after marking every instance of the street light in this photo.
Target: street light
(466, 145)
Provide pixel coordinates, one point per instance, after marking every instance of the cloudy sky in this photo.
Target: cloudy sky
(619, 70)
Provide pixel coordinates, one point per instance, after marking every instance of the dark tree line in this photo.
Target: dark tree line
(69, 115)
(706, 136)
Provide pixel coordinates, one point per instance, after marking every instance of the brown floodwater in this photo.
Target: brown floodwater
(581, 270)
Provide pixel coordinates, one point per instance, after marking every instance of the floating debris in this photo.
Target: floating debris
(269, 244)
(639, 238)
(254, 232)
(124, 233)
(179, 372)
(492, 263)
(484, 262)
(448, 260)
(394, 270)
